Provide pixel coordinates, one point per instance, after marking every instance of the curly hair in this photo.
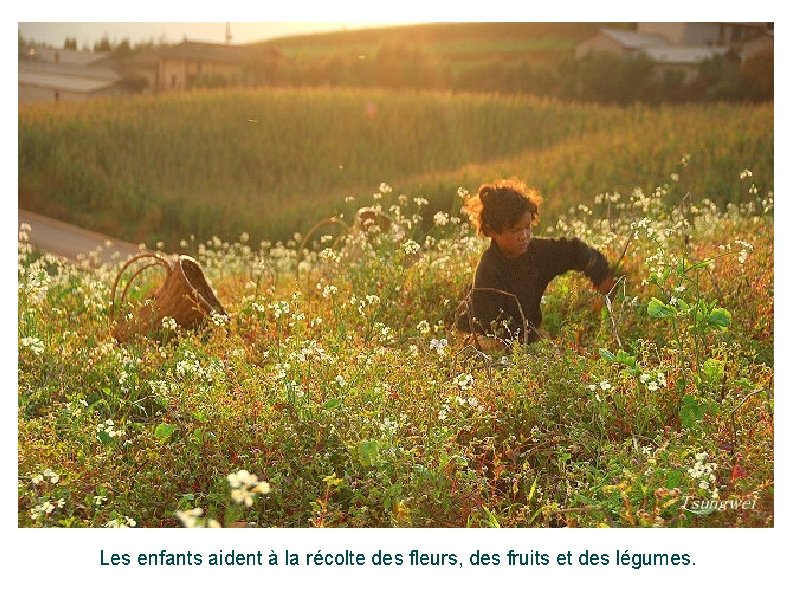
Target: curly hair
(501, 204)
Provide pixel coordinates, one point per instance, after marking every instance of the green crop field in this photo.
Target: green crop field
(274, 162)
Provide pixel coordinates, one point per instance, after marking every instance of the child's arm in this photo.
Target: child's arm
(560, 255)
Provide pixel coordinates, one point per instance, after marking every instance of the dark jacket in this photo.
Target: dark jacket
(496, 314)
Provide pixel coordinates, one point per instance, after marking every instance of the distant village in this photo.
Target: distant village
(48, 74)
(69, 74)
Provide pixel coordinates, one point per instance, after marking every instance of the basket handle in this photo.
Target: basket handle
(160, 261)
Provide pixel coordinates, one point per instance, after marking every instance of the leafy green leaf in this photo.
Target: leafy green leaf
(368, 452)
(692, 411)
(607, 355)
(703, 264)
(713, 370)
(674, 479)
(719, 318)
(98, 405)
(627, 360)
(658, 309)
(164, 431)
(333, 481)
(533, 488)
(332, 404)
(621, 358)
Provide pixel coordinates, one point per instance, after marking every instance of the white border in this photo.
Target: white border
(729, 560)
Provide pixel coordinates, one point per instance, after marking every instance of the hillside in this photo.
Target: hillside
(272, 163)
(461, 42)
(504, 57)
(534, 58)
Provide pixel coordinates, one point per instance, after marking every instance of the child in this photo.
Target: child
(517, 267)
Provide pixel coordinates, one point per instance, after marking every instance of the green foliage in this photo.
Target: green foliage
(657, 309)
(337, 394)
(533, 58)
(164, 431)
(270, 163)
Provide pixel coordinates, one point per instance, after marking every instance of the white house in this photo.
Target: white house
(619, 41)
(681, 47)
(703, 34)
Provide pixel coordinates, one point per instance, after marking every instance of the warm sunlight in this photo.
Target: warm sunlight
(239, 33)
(395, 275)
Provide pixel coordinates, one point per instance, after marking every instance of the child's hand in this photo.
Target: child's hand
(606, 284)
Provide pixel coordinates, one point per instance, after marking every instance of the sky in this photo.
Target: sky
(51, 21)
(88, 33)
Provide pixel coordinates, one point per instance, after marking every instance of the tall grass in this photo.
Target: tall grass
(273, 162)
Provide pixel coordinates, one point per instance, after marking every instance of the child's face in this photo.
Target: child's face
(513, 241)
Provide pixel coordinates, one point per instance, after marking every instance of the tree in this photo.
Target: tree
(759, 71)
(603, 76)
(123, 49)
(103, 45)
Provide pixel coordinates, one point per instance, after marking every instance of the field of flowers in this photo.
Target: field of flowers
(335, 392)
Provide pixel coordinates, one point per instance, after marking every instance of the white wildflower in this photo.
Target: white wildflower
(169, 323)
(189, 518)
(219, 319)
(441, 218)
(245, 486)
(121, 523)
(410, 247)
(464, 381)
(439, 345)
(34, 344)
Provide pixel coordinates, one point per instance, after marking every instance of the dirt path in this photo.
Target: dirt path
(64, 239)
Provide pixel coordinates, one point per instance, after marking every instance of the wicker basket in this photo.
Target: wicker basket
(185, 296)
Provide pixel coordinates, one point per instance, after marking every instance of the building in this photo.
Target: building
(620, 42)
(682, 61)
(704, 34)
(191, 64)
(682, 47)
(48, 74)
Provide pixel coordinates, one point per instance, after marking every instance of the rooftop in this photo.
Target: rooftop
(63, 56)
(66, 77)
(634, 40)
(684, 55)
